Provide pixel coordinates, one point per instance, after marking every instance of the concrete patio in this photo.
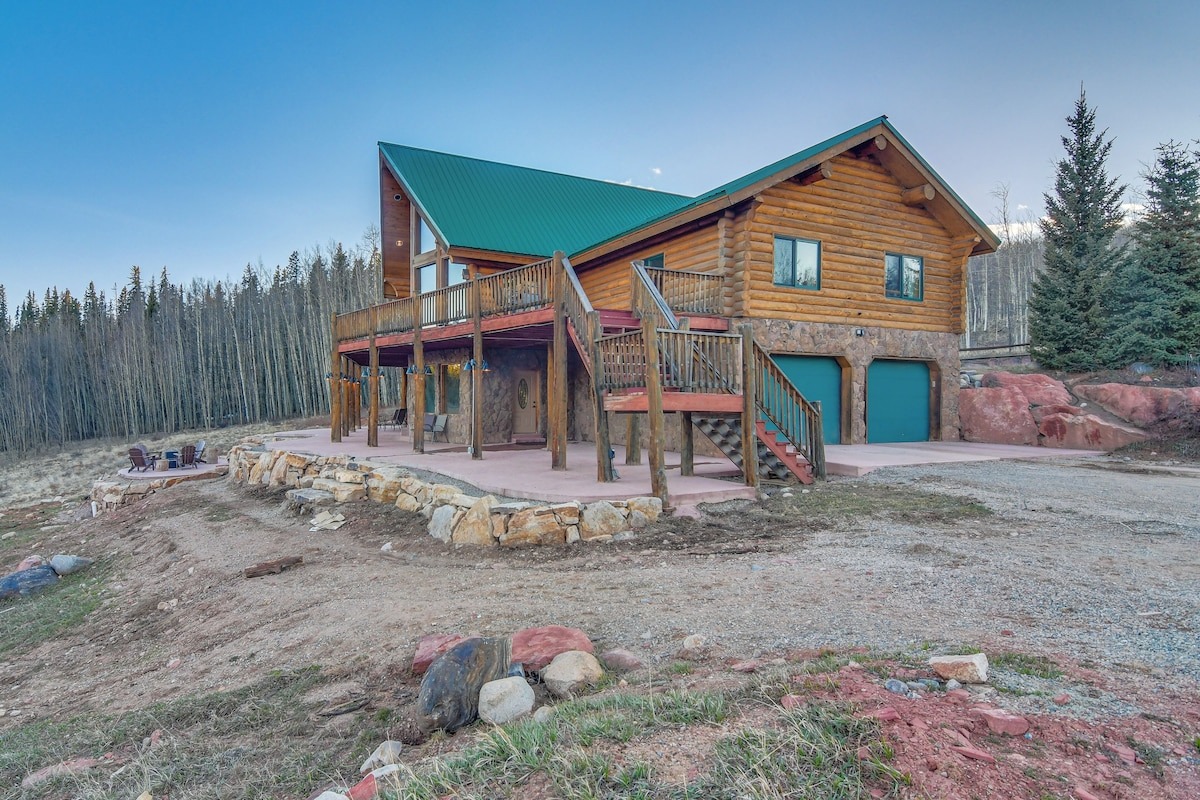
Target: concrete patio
(524, 471)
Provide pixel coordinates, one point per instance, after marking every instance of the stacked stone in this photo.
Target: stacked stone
(454, 517)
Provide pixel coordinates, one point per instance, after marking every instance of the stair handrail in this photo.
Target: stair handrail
(779, 401)
(645, 298)
(579, 306)
(689, 292)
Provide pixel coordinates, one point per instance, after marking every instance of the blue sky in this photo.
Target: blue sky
(205, 136)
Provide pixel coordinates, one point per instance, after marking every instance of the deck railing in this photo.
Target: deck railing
(521, 289)
(395, 316)
(797, 419)
(623, 360)
(579, 308)
(353, 325)
(447, 305)
(700, 362)
(645, 299)
(687, 292)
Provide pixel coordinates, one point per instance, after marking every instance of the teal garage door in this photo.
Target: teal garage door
(897, 401)
(819, 378)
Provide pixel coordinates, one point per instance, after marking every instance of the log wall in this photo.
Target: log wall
(607, 282)
(394, 218)
(857, 215)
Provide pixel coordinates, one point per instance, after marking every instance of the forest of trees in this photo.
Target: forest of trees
(158, 356)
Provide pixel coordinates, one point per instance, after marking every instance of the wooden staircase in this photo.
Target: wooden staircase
(777, 458)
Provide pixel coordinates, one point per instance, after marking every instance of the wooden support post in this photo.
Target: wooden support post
(604, 467)
(373, 385)
(558, 384)
(335, 386)
(687, 452)
(749, 416)
(347, 408)
(477, 372)
(654, 408)
(633, 440)
(416, 421)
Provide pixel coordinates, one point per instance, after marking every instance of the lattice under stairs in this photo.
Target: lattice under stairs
(777, 460)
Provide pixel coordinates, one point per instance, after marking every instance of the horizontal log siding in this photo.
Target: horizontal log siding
(395, 216)
(858, 216)
(607, 282)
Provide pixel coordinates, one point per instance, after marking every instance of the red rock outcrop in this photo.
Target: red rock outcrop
(1040, 390)
(1086, 432)
(997, 416)
(1144, 406)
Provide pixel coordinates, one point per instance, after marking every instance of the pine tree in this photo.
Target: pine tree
(5, 324)
(1066, 312)
(1155, 300)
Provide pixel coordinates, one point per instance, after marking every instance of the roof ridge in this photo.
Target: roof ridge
(535, 169)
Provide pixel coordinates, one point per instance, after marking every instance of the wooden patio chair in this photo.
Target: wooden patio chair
(140, 459)
(187, 456)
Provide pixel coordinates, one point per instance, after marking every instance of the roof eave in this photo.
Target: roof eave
(413, 197)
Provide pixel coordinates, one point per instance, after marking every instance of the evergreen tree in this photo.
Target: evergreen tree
(1066, 312)
(5, 324)
(1155, 300)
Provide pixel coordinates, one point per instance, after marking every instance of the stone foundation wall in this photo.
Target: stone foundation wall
(453, 516)
(940, 350)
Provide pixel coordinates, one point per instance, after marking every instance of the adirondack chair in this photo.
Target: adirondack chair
(140, 459)
(187, 456)
(200, 452)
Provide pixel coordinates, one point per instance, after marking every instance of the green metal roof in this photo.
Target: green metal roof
(492, 206)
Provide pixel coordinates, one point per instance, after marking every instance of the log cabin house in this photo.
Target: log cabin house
(816, 300)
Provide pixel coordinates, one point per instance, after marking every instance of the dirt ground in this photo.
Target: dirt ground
(1091, 565)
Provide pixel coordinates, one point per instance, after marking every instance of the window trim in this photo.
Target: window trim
(807, 287)
(887, 292)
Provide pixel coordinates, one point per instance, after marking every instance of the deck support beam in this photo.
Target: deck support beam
(687, 445)
(558, 372)
(749, 432)
(416, 423)
(373, 385)
(604, 465)
(477, 370)
(658, 472)
(335, 386)
(633, 440)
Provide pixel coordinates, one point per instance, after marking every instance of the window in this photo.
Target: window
(431, 393)
(797, 263)
(655, 262)
(427, 278)
(904, 276)
(453, 384)
(428, 242)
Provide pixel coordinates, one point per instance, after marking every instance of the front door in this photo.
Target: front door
(525, 403)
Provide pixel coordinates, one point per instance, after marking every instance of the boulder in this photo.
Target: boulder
(1002, 722)
(571, 672)
(1041, 412)
(621, 661)
(567, 513)
(1086, 432)
(349, 476)
(406, 502)
(383, 484)
(650, 506)
(1039, 390)
(449, 695)
(505, 700)
(693, 646)
(1144, 406)
(443, 493)
(310, 497)
(342, 492)
(600, 519)
(298, 460)
(996, 416)
(537, 647)
(441, 524)
(475, 526)
(430, 647)
(279, 472)
(964, 669)
(530, 527)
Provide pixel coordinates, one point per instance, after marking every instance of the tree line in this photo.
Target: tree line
(159, 356)
(1100, 301)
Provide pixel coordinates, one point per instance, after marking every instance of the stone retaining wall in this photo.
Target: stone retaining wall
(108, 495)
(453, 516)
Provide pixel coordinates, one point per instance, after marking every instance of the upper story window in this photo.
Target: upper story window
(428, 242)
(797, 263)
(655, 262)
(904, 276)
